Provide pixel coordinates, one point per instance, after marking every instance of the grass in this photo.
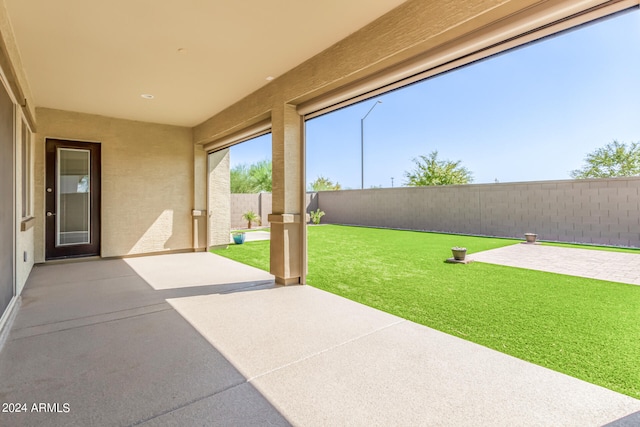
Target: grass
(585, 328)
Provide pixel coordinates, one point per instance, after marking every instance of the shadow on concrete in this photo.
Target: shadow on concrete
(194, 291)
(631, 420)
(94, 344)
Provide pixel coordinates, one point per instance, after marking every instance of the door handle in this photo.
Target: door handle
(50, 214)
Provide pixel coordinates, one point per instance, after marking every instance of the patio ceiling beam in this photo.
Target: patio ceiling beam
(252, 131)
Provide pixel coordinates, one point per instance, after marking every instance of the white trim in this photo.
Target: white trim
(524, 27)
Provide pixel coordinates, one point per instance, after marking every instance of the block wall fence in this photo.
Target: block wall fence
(593, 211)
(598, 211)
(260, 204)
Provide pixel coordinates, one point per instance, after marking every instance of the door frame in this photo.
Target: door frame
(93, 248)
(9, 214)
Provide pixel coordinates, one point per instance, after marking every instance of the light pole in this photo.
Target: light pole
(362, 144)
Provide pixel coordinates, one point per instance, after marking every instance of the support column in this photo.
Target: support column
(219, 199)
(199, 211)
(288, 216)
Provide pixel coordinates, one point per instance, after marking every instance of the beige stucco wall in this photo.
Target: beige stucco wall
(200, 172)
(219, 190)
(147, 181)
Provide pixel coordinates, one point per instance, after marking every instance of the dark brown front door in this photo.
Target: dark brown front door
(72, 199)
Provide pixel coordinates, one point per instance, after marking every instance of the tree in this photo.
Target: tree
(431, 171)
(260, 174)
(251, 179)
(324, 184)
(614, 159)
(250, 217)
(240, 180)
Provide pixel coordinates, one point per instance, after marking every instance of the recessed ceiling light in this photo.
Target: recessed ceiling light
(269, 78)
(182, 51)
(147, 96)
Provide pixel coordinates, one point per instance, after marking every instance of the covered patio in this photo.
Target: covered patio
(114, 312)
(195, 339)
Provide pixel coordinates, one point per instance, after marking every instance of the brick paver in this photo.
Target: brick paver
(594, 264)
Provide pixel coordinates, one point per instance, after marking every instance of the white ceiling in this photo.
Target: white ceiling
(99, 56)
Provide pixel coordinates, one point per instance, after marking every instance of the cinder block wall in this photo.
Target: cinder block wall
(598, 211)
(260, 204)
(241, 203)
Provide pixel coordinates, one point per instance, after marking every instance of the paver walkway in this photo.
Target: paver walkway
(594, 264)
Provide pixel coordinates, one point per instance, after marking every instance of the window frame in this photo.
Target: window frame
(26, 171)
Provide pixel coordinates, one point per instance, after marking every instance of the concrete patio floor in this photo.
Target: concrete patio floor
(196, 339)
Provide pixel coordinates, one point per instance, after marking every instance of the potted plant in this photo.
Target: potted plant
(238, 237)
(250, 217)
(459, 253)
(531, 237)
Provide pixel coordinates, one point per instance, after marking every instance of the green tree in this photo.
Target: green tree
(251, 217)
(431, 171)
(614, 159)
(260, 174)
(253, 178)
(324, 184)
(240, 180)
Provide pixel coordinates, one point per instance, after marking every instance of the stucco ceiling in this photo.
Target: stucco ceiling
(195, 57)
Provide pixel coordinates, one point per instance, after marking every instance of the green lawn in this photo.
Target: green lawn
(586, 328)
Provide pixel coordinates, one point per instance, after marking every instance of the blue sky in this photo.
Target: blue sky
(526, 115)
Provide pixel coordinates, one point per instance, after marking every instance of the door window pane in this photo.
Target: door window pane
(73, 197)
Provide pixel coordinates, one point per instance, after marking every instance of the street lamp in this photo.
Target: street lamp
(362, 144)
